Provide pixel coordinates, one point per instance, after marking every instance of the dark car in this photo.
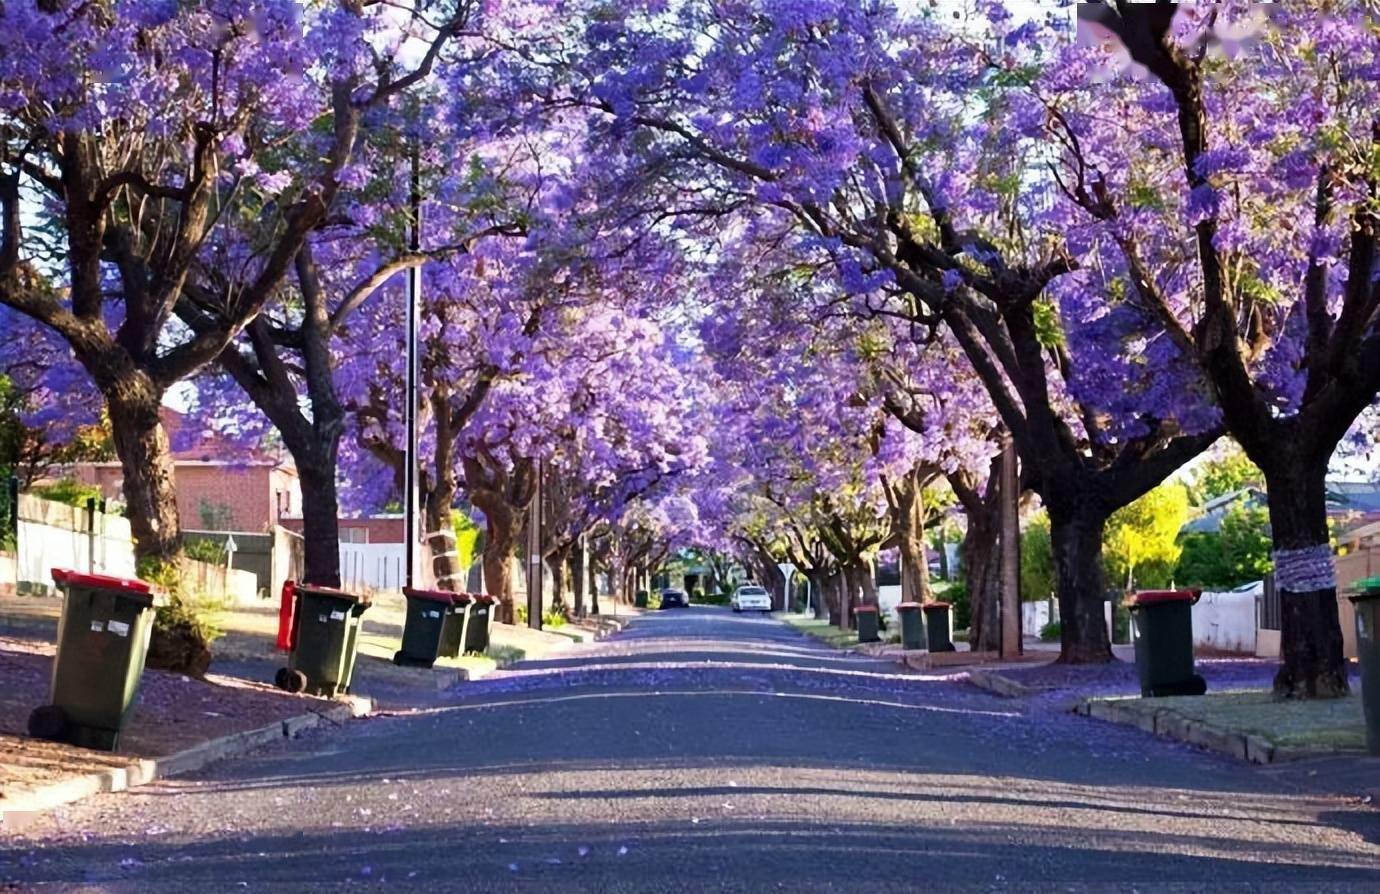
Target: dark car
(674, 599)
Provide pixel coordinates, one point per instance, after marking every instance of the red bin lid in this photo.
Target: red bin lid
(1151, 597)
(864, 608)
(482, 597)
(69, 578)
(929, 605)
(908, 605)
(445, 596)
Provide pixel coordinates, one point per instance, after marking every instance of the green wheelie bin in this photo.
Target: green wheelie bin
(865, 616)
(1163, 633)
(481, 622)
(102, 641)
(453, 633)
(1367, 604)
(325, 641)
(428, 613)
(912, 626)
(640, 599)
(939, 626)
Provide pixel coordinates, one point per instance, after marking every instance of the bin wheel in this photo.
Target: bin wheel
(398, 658)
(290, 680)
(48, 722)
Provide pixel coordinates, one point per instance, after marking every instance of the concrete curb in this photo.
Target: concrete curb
(997, 684)
(142, 771)
(1170, 724)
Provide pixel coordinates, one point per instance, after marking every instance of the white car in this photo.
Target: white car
(750, 598)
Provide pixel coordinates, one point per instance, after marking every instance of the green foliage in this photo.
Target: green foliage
(1140, 542)
(205, 549)
(719, 598)
(1224, 475)
(186, 613)
(548, 619)
(1051, 632)
(1236, 554)
(467, 537)
(1037, 559)
(956, 594)
(69, 491)
(1049, 331)
(215, 516)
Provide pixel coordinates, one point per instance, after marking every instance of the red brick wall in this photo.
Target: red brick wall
(248, 493)
(381, 530)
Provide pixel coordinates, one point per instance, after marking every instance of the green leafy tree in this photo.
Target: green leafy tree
(1037, 559)
(1223, 475)
(1141, 547)
(1236, 554)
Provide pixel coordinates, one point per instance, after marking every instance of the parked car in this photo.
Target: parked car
(671, 598)
(750, 598)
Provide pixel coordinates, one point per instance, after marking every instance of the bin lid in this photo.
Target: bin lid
(483, 597)
(930, 605)
(864, 608)
(133, 588)
(907, 606)
(445, 596)
(1365, 589)
(331, 591)
(1152, 597)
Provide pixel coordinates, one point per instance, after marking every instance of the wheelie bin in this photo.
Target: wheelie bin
(866, 618)
(480, 623)
(1164, 642)
(428, 613)
(912, 626)
(1367, 604)
(939, 625)
(102, 641)
(324, 640)
(453, 632)
(640, 599)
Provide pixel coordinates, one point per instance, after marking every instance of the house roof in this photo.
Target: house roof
(1209, 520)
(200, 445)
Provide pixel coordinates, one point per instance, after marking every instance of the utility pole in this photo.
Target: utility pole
(414, 300)
(534, 601)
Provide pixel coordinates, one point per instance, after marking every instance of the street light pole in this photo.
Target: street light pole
(414, 300)
(534, 600)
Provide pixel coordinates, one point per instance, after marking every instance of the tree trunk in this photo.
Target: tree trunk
(1312, 662)
(147, 463)
(500, 546)
(833, 596)
(1077, 544)
(320, 525)
(559, 564)
(578, 578)
(982, 579)
(910, 541)
(816, 604)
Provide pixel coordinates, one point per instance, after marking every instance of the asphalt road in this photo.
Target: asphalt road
(699, 751)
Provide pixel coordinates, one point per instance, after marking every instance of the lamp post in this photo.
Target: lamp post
(414, 299)
(534, 601)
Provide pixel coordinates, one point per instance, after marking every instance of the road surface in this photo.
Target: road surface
(702, 751)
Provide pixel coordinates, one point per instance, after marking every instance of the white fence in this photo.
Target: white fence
(372, 566)
(1226, 621)
(1035, 615)
(55, 535)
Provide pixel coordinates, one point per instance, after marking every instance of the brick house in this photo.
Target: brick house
(220, 486)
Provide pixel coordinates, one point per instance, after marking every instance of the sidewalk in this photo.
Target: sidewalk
(180, 724)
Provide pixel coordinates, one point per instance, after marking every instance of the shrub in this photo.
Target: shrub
(69, 491)
(1051, 632)
(183, 630)
(205, 550)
